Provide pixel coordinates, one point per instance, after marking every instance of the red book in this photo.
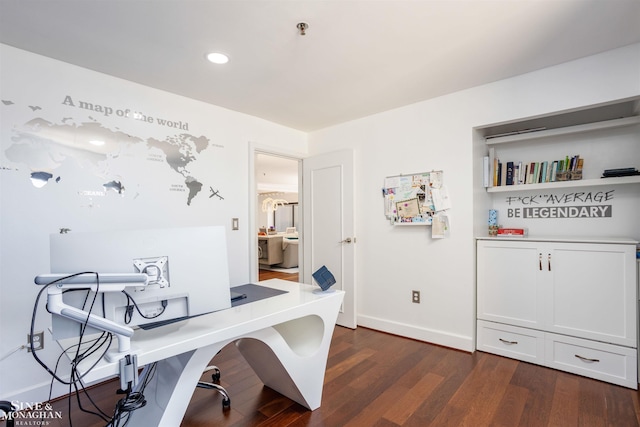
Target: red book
(520, 232)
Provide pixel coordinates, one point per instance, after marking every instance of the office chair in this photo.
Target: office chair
(215, 385)
(8, 409)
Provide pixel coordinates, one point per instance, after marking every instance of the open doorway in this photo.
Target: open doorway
(277, 217)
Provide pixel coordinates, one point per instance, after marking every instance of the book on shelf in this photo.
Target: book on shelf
(509, 174)
(575, 160)
(492, 158)
(531, 173)
(515, 232)
(521, 173)
(501, 173)
(543, 171)
(485, 171)
(554, 170)
(538, 169)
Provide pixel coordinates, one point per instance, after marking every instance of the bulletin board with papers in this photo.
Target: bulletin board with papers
(417, 199)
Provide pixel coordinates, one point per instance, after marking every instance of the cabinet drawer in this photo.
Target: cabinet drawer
(511, 341)
(606, 362)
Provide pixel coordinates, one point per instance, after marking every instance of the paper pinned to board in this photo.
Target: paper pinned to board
(440, 198)
(440, 226)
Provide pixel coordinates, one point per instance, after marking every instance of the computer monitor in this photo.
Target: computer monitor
(187, 267)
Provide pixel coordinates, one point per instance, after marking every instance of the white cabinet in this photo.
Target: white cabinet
(508, 289)
(540, 300)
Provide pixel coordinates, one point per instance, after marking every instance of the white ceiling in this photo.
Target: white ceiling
(276, 174)
(357, 58)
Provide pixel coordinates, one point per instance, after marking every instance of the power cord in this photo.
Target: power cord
(133, 400)
(20, 347)
(82, 330)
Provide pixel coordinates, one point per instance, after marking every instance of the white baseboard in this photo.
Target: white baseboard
(442, 338)
(40, 392)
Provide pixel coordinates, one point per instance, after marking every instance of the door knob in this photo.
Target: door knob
(347, 240)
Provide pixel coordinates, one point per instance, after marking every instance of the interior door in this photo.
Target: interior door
(329, 224)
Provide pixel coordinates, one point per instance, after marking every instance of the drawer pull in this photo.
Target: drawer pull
(586, 359)
(508, 342)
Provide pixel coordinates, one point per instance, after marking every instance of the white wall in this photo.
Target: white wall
(29, 214)
(438, 135)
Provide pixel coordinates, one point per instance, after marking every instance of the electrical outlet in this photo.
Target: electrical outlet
(415, 297)
(37, 339)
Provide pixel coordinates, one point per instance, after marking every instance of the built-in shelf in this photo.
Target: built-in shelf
(567, 184)
(569, 130)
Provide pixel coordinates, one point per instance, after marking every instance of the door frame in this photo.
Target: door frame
(257, 148)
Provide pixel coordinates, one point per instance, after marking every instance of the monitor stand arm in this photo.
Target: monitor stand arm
(55, 305)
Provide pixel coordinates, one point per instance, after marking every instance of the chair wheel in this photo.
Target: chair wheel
(226, 403)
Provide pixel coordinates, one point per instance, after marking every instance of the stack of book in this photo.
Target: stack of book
(519, 173)
(608, 173)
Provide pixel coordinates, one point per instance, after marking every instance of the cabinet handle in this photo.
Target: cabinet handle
(508, 342)
(549, 261)
(586, 359)
(540, 261)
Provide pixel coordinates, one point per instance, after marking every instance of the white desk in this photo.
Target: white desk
(284, 338)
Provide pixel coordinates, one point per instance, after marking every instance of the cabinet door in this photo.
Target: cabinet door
(509, 290)
(592, 292)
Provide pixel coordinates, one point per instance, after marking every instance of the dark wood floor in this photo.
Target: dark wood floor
(268, 274)
(377, 379)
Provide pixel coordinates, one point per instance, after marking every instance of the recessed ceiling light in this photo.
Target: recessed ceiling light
(96, 142)
(218, 58)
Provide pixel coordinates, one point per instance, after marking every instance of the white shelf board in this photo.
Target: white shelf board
(566, 184)
(569, 130)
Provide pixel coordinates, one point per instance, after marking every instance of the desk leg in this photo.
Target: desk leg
(170, 390)
(291, 358)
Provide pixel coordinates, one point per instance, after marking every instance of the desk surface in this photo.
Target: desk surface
(218, 327)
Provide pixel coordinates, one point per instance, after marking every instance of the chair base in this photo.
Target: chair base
(215, 377)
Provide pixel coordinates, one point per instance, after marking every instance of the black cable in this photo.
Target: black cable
(100, 413)
(133, 400)
(97, 343)
(33, 319)
(104, 336)
(74, 377)
(128, 314)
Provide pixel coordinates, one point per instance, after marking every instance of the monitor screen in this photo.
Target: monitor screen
(187, 267)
